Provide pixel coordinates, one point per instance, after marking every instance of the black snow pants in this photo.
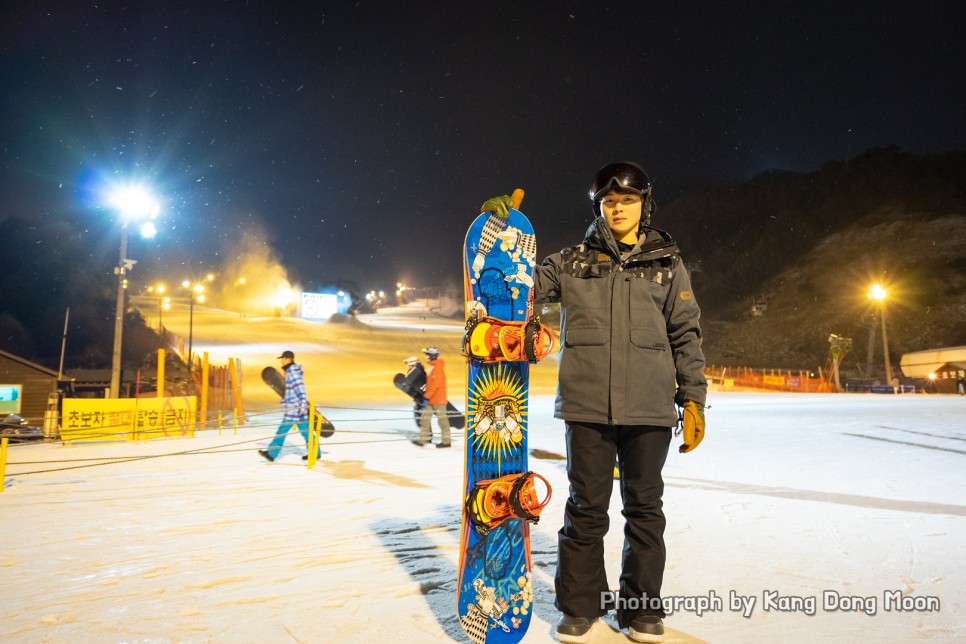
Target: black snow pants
(581, 580)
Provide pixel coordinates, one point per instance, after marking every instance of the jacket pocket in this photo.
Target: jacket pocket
(585, 336)
(584, 383)
(647, 338)
(650, 375)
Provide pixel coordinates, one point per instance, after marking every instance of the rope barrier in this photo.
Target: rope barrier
(120, 431)
(218, 449)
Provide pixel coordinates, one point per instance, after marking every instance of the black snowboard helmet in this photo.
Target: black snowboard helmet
(626, 176)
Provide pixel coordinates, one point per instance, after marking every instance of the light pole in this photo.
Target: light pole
(132, 204)
(879, 294)
(163, 305)
(197, 291)
(123, 266)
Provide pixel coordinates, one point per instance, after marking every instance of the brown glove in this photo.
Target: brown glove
(692, 422)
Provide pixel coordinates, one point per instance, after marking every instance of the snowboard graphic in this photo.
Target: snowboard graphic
(407, 386)
(494, 583)
(274, 379)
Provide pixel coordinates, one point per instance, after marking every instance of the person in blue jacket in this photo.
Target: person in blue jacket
(295, 408)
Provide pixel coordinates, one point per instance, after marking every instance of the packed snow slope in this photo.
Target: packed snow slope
(800, 518)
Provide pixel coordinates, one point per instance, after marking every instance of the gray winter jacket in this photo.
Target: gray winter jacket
(629, 328)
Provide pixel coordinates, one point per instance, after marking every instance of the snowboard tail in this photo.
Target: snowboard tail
(274, 379)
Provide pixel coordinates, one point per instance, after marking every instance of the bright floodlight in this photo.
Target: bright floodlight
(283, 298)
(877, 293)
(148, 230)
(135, 204)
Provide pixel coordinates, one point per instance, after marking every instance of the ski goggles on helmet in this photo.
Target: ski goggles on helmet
(624, 176)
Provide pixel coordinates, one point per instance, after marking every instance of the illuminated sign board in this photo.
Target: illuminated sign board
(319, 306)
(10, 399)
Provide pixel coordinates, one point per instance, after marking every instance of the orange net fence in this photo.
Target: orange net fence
(736, 378)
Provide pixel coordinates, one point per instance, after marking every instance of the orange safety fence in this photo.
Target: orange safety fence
(736, 378)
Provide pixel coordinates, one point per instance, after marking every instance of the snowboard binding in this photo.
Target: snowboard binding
(513, 496)
(491, 340)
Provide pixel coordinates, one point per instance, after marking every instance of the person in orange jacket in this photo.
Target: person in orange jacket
(436, 400)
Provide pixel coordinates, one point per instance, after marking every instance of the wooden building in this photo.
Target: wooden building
(33, 385)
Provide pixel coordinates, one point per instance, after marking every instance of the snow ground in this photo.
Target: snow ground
(794, 494)
(790, 497)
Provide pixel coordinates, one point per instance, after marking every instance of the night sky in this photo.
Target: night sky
(358, 139)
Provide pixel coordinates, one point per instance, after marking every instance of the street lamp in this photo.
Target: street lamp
(164, 303)
(132, 205)
(878, 294)
(197, 292)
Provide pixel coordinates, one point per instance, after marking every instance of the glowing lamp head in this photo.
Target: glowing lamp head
(877, 293)
(134, 204)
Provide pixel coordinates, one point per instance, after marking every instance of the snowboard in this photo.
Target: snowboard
(274, 379)
(494, 582)
(411, 389)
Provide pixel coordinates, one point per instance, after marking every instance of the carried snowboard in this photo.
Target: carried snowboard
(500, 499)
(456, 418)
(274, 379)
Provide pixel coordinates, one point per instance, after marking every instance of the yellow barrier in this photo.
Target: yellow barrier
(234, 367)
(204, 389)
(3, 463)
(313, 445)
(122, 419)
(160, 377)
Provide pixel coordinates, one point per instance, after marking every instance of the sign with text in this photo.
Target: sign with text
(93, 419)
(319, 306)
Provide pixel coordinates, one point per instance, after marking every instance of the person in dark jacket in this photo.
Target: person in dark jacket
(436, 400)
(631, 352)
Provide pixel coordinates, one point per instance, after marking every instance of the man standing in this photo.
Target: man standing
(295, 408)
(631, 351)
(436, 400)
